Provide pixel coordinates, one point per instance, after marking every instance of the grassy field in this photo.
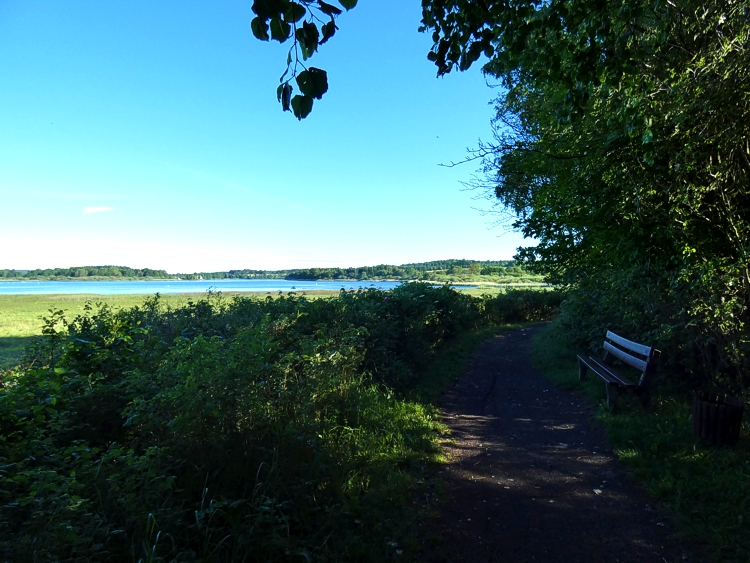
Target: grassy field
(490, 289)
(21, 315)
(706, 488)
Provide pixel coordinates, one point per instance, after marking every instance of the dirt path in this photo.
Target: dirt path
(531, 477)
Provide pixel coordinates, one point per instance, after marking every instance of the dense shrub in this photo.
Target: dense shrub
(698, 317)
(227, 430)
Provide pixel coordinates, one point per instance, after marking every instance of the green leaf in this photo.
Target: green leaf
(313, 82)
(284, 94)
(280, 30)
(260, 29)
(294, 12)
(348, 4)
(268, 8)
(329, 30)
(307, 36)
(301, 106)
(328, 9)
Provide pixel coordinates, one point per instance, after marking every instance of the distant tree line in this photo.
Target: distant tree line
(86, 272)
(417, 271)
(233, 275)
(449, 264)
(429, 271)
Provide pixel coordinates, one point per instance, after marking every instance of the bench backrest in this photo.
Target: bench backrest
(636, 355)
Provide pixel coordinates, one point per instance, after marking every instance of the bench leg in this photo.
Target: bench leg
(582, 369)
(644, 396)
(613, 393)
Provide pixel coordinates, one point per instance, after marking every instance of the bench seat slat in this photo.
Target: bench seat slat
(625, 357)
(629, 344)
(620, 379)
(606, 373)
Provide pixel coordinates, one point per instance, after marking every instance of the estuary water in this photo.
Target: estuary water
(181, 286)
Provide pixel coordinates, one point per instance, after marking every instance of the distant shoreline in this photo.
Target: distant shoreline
(510, 280)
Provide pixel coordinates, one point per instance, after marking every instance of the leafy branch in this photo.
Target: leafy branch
(309, 23)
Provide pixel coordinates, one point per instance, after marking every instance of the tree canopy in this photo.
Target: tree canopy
(622, 145)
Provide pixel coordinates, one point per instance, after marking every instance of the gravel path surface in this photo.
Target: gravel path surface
(532, 478)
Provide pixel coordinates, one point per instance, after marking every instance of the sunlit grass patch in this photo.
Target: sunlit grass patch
(21, 315)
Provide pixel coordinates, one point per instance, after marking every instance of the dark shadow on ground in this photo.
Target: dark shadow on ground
(531, 477)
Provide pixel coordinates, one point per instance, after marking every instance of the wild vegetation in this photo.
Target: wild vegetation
(231, 430)
(285, 429)
(622, 144)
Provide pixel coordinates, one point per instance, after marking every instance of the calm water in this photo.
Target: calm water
(179, 286)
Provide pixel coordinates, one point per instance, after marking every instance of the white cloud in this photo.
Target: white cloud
(96, 209)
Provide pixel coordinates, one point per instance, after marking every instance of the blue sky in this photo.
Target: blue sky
(148, 134)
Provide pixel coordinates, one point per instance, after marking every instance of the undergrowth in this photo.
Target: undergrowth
(706, 488)
(283, 429)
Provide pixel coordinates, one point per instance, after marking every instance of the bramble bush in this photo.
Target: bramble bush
(228, 430)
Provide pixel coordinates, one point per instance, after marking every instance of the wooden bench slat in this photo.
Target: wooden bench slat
(594, 366)
(625, 357)
(612, 375)
(629, 344)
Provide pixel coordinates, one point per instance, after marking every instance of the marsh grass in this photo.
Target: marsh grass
(706, 488)
(21, 316)
(11, 349)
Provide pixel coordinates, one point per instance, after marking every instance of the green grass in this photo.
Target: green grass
(706, 488)
(21, 315)
(494, 290)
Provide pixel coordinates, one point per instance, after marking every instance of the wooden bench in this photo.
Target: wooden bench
(638, 356)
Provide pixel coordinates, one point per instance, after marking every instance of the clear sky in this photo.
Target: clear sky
(147, 134)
